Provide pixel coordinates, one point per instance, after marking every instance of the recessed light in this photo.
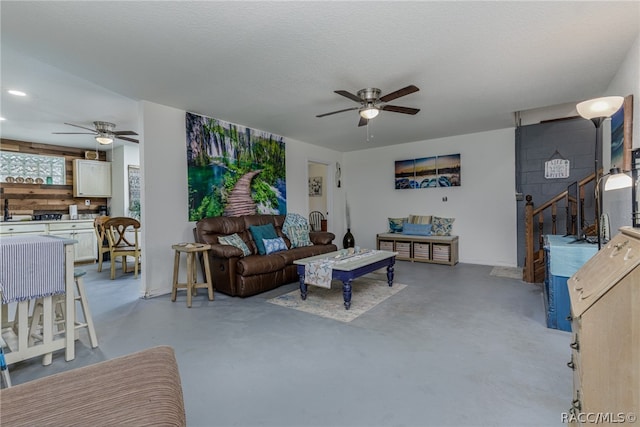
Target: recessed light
(16, 92)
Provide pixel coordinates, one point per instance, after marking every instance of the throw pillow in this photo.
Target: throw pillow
(395, 224)
(235, 240)
(299, 236)
(259, 232)
(274, 245)
(417, 229)
(420, 219)
(442, 226)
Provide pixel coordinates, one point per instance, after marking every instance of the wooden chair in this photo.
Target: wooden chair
(315, 220)
(120, 245)
(101, 234)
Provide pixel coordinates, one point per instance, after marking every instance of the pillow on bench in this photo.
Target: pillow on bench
(442, 226)
(416, 229)
(396, 224)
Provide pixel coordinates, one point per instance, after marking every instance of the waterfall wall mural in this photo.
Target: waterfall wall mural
(233, 170)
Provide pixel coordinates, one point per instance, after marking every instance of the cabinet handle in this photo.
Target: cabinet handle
(575, 404)
(571, 365)
(570, 318)
(575, 345)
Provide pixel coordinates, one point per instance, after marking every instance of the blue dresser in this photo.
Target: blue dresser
(563, 258)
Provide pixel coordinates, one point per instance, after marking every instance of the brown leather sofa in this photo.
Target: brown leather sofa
(243, 276)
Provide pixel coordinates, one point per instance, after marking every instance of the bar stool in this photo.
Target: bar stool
(59, 313)
(191, 285)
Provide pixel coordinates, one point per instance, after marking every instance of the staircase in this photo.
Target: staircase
(534, 222)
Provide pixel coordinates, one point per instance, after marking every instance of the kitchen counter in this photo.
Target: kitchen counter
(80, 230)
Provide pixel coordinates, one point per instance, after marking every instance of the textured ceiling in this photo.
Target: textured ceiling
(274, 65)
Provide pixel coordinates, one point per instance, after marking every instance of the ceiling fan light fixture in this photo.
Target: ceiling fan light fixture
(369, 112)
(104, 139)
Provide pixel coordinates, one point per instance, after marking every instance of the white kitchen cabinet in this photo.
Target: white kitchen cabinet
(22, 229)
(86, 248)
(91, 178)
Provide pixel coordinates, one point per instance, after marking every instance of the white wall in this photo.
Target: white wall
(319, 203)
(484, 206)
(121, 158)
(164, 196)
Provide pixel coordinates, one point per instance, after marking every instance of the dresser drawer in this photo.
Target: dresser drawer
(70, 226)
(22, 228)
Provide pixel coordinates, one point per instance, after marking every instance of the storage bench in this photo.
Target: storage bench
(433, 249)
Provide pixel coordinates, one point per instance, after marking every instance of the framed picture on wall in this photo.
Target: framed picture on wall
(134, 191)
(315, 186)
(621, 130)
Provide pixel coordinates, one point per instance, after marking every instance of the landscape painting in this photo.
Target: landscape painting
(405, 174)
(448, 170)
(233, 170)
(428, 172)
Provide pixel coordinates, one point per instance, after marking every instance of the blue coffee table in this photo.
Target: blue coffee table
(349, 269)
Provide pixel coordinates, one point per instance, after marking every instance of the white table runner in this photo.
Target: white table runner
(32, 267)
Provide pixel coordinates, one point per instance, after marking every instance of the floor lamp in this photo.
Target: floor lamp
(597, 110)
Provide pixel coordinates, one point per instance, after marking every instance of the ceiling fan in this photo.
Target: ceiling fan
(370, 103)
(104, 132)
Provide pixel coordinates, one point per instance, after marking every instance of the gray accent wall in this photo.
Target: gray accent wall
(575, 140)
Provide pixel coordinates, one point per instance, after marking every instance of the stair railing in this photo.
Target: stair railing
(535, 256)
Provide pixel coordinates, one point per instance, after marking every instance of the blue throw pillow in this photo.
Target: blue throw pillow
(259, 232)
(274, 245)
(416, 229)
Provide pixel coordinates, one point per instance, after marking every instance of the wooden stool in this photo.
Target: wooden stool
(59, 315)
(191, 249)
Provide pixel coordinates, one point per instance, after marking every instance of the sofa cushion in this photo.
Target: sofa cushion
(260, 264)
(259, 232)
(299, 236)
(417, 229)
(235, 240)
(274, 245)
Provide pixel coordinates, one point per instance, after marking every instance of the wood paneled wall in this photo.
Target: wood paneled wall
(35, 199)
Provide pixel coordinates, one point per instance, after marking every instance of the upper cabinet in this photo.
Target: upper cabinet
(91, 178)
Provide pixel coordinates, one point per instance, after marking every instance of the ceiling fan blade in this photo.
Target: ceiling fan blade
(126, 139)
(397, 94)
(81, 127)
(336, 112)
(74, 133)
(397, 109)
(348, 95)
(363, 121)
(124, 132)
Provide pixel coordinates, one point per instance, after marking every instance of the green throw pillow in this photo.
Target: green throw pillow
(235, 240)
(259, 232)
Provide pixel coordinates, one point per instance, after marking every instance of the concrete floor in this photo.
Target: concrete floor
(457, 347)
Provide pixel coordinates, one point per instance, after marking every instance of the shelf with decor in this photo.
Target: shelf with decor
(431, 249)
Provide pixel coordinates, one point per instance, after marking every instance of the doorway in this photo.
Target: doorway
(319, 189)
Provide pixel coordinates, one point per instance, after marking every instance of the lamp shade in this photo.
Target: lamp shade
(369, 112)
(617, 180)
(104, 139)
(600, 107)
